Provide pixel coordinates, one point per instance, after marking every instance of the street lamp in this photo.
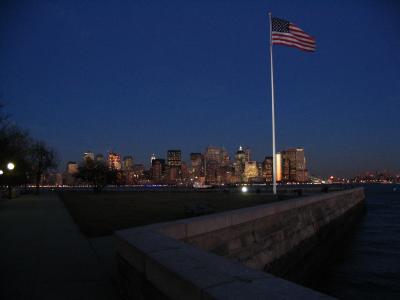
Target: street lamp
(1, 172)
(10, 167)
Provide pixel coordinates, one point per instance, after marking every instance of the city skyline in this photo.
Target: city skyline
(146, 162)
(214, 166)
(139, 78)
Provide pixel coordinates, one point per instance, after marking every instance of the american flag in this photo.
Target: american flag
(288, 34)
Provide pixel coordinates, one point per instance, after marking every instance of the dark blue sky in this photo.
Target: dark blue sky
(146, 76)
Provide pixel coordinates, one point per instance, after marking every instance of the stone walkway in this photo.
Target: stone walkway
(44, 256)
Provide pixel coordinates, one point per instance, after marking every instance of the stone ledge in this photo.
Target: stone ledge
(190, 227)
(182, 271)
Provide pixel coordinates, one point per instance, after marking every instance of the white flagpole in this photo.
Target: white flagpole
(273, 108)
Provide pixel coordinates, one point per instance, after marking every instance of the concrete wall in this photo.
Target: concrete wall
(209, 257)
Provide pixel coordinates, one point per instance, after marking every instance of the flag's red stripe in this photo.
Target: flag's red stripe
(298, 31)
(306, 39)
(304, 36)
(290, 43)
(292, 40)
(296, 46)
(289, 36)
(293, 27)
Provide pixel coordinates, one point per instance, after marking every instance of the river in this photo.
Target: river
(369, 265)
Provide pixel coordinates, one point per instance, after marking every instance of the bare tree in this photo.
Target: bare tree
(94, 173)
(42, 159)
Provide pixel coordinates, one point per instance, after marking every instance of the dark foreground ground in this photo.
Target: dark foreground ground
(101, 214)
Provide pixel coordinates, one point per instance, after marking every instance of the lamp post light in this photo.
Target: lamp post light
(10, 167)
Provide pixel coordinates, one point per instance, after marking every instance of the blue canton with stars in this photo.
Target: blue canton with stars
(280, 25)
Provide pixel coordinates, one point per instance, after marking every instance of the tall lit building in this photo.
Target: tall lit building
(213, 154)
(88, 155)
(100, 158)
(278, 167)
(196, 160)
(247, 154)
(174, 158)
(241, 157)
(127, 163)
(184, 172)
(114, 161)
(138, 169)
(225, 159)
(267, 168)
(72, 167)
(152, 157)
(250, 170)
(158, 169)
(294, 165)
(212, 161)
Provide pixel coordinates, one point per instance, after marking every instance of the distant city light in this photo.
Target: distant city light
(10, 166)
(245, 189)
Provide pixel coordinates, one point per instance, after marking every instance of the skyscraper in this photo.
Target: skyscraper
(88, 155)
(100, 158)
(72, 167)
(294, 165)
(247, 154)
(158, 170)
(174, 158)
(114, 161)
(152, 157)
(225, 159)
(241, 157)
(278, 167)
(213, 154)
(212, 162)
(127, 163)
(267, 168)
(250, 170)
(196, 160)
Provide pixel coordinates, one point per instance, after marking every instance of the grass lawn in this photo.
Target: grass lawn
(101, 214)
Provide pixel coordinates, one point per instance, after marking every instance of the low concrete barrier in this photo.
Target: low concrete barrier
(178, 260)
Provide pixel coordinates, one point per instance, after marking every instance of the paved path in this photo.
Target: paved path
(44, 256)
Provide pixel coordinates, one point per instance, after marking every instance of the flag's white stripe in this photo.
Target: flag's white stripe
(307, 40)
(294, 44)
(294, 27)
(300, 34)
(292, 38)
(298, 31)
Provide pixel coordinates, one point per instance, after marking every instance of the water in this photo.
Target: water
(369, 267)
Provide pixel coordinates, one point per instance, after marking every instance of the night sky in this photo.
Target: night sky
(139, 77)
